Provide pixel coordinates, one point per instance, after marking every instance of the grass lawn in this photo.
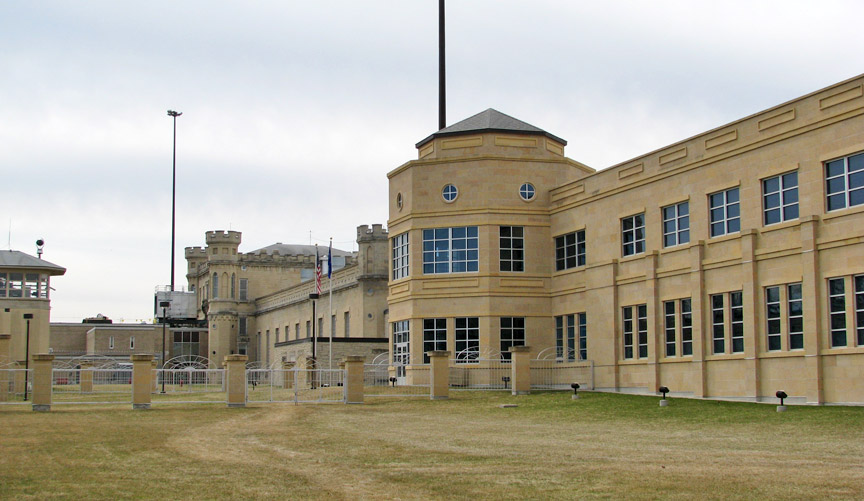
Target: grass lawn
(601, 446)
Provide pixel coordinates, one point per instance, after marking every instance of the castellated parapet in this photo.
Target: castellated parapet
(196, 252)
(220, 237)
(364, 234)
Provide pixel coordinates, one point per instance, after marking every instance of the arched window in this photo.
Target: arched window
(215, 286)
(233, 281)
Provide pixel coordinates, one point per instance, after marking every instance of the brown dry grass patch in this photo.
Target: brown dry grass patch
(602, 446)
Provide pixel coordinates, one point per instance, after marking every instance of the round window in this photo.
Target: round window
(526, 191)
(450, 193)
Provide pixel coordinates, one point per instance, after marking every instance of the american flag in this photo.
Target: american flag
(317, 271)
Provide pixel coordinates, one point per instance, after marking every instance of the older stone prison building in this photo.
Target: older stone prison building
(257, 303)
(727, 265)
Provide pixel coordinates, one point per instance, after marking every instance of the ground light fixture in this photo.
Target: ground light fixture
(782, 396)
(164, 305)
(664, 390)
(392, 381)
(27, 317)
(506, 380)
(575, 395)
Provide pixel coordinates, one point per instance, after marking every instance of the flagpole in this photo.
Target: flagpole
(330, 286)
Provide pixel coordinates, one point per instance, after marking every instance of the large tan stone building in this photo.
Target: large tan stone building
(727, 265)
(258, 303)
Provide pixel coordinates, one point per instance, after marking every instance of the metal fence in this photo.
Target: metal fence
(189, 385)
(480, 374)
(295, 385)
(13, 383)
(378, 381)
(91, 385)
(559, 375)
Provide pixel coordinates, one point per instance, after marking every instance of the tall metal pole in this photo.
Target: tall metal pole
(442, 91)
(174, 114)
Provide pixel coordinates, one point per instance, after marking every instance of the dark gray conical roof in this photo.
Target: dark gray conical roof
(490, 120)
(17, 260)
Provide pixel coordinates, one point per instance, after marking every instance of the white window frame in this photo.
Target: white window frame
(570, 250)
(846, 176)
(514, 247)
(633, 237)
(787, 188)
(724, 220)
(400, 256)
(679, 232)
(467, 333)
(471, 248)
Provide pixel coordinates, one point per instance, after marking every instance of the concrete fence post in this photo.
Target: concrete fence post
(520, 367)
(354, 379)
(439, 377)
(43, 378)
(85, 377)
(5, 340)
(235, 368)
(142, 380)
(5, 380)
(155, 371)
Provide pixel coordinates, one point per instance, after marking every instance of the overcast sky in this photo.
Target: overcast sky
(293, 112)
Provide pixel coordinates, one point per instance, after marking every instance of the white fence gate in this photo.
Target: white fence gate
(295, 385)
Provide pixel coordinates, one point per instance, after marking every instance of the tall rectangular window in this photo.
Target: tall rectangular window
(467, 339)
(676, 224)
(844, 182)
(450, 250)
(332, 325)
(401, 352)
(215, 286)
(571, 329)
(627, 324)
(434, 336)
(837, 311)
(736, 310)
(241, 326)
(512, 334)
(131, 342)
(780, 198)
(669, 318)
(297, 330)
(559, 338)
(244, 289)
(795, 307)
(347, 323)
(320, 331)
(511, 251)
(859, 307)
(571, 337)
(276, 333)
(686, 328)
(635, 320)
(400, 256)
(772, 317)
(583, 336)
(633, 234)
(570, 250)
(718, 324)
(308, 329)
(725, 212)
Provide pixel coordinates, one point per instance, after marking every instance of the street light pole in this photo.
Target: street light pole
(164, 305)
(27, 317)
(174, 114)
